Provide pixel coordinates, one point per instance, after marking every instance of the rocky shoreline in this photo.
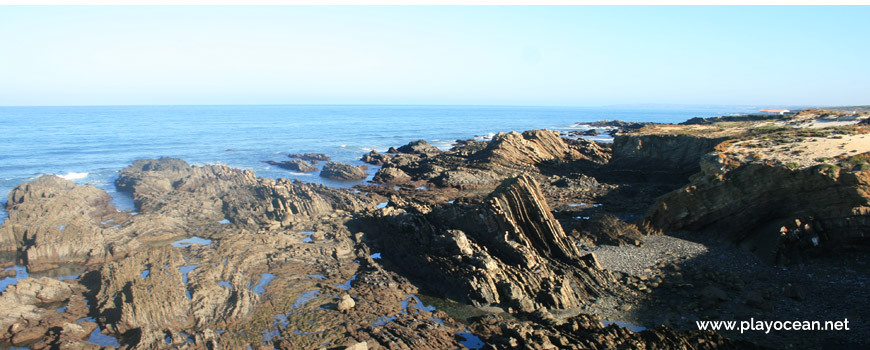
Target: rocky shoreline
(529, 240)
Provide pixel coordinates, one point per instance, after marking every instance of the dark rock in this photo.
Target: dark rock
(311, 157)
(419, 147)
(342, 172)
(391, 175)
(659, 158)
(294, 165)
(510, 246)
(607, 229)
(483, 165)
(768, 199)
(375, 158)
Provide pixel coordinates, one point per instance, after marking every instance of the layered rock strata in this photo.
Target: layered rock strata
(508, 251)
(472, 165)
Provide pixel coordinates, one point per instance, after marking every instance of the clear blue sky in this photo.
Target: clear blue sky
(580, 55)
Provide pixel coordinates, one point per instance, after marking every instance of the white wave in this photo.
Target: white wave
(300, 174)
(486, 137)
(444, 145)
(74, 176)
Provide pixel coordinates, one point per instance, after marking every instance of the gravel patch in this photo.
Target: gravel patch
(637, 261)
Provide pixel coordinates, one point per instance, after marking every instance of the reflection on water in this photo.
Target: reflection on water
(471, 341)
(264, 281)
(20, 273)
(346, 285)
(631, 327)
(65, 272)
(191, 241)
(97, 337)
(459, 311)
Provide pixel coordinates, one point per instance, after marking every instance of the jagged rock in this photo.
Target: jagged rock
(294, 165)
(28, 311)
(52, 220)
(20, 301)
(767, 200)
(531, 148)
(505, 251)
(482, 165)
(467, 179)
(204, 195)
(150, 304)
(342, 172)
(660, 158)
(419, 147)
(607, 229)
(391, 175)
(376, 158)
(523, 220)
(311, 157)
(578, 182)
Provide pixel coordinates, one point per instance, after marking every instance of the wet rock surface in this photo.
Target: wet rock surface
(310, 157)
(294, 165)
(527, 241)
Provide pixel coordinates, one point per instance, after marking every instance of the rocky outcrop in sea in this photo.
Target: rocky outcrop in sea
(530, 240)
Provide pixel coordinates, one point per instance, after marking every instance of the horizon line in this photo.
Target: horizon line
(619, 105)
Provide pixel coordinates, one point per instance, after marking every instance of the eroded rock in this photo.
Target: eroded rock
(342, 172)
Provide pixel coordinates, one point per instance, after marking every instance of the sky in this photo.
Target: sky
(465, 55)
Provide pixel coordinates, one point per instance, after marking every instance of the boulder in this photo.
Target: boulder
(342, 172)
(311, 157)
(607, 229)
(346, 303)
(294, 165)
(375, 158)
(391, 175)
(419, 147)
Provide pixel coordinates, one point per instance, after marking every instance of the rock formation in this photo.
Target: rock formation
(419, 147)
(342, 172)
(280, 264)
(509, 251)
(781, 213)
(607, 229)
(472, 164)
(294, 165)
(53, 221)
(311, 157)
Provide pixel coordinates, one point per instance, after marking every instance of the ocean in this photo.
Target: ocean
(90, 145)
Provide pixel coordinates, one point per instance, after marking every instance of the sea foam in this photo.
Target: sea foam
(74, 176)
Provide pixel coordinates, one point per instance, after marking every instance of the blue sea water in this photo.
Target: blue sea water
(90, 145)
